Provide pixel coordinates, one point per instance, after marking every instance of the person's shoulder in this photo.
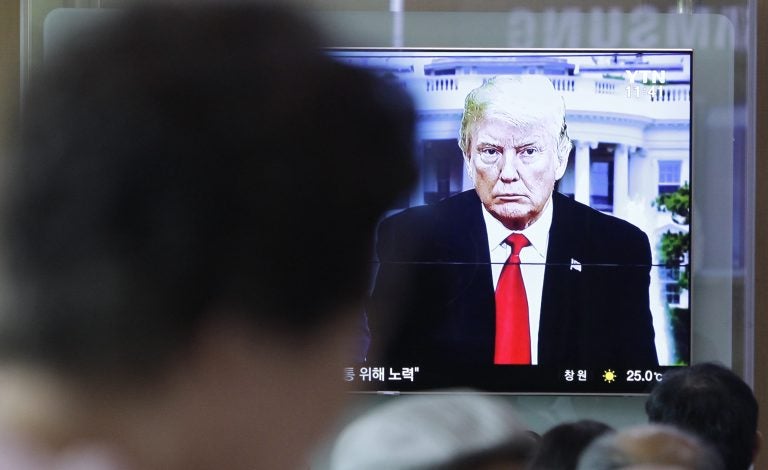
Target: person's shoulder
(453, 209)
(603, 236)
(598, 222)
(426, 232)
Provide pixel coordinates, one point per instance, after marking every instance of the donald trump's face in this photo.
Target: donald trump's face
(514, 169)
(515, 146)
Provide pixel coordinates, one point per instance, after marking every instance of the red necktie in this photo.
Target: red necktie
(513, 337)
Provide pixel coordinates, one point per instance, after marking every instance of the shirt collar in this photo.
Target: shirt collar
(536, 233)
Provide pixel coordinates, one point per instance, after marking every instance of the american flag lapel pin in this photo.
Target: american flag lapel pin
(575, 265)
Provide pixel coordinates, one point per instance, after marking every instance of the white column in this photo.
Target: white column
(396, 8)
(620, 180)
(581, 170)
(636, 169)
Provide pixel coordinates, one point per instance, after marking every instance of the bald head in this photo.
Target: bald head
(649, 446)
(454, 430)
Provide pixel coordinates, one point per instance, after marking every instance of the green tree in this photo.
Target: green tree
(676, 246)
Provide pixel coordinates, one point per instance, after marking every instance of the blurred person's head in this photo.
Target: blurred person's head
(561, 446)
(515, 146)
(188, 232)
(455, 431)
(650, 446)
(712, 402)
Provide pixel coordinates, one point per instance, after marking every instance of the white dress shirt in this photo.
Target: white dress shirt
(532, 263)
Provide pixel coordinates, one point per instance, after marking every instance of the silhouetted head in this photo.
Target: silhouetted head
(453, 431)
(561, 446)
(187, 162)
(649, 447)
(188, 225)
(712, 402)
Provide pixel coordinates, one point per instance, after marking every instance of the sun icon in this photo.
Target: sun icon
(609, 375)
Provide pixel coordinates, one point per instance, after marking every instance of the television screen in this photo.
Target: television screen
(546, 246)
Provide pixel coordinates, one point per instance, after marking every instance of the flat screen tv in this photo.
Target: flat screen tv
(546, 246)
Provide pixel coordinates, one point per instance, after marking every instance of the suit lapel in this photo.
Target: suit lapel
(558, 304)
(472, 294)
(468, 244)
(559, 249)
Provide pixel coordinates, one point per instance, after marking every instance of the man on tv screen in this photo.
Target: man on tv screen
(512, 272)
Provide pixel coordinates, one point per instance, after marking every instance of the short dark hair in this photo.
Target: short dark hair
(712, 402)
(186, 161)
(561, 446)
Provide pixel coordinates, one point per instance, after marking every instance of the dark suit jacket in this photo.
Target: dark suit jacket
(434, 284)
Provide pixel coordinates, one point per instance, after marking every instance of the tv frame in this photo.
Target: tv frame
(535, 373)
